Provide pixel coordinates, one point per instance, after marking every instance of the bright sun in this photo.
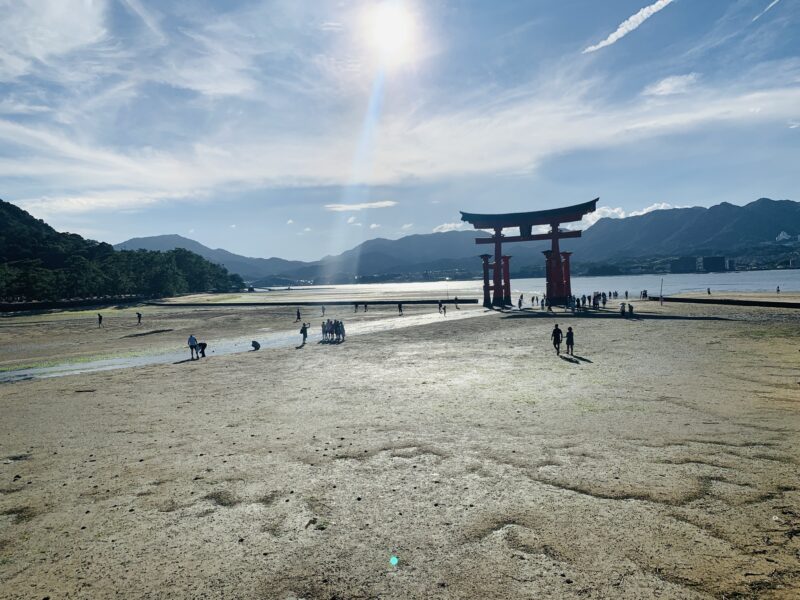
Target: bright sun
(390, 32)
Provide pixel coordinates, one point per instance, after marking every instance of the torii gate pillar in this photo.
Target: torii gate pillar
(487, 287)
(506, 282)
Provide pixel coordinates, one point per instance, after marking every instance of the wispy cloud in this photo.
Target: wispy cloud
(765, 11)
(677, 84)
(407, 226)
(445, 227)
(290, 222)
(360, 206)
(375, 226)
(630, 24)
(149, 19)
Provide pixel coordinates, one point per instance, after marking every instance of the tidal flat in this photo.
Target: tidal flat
(435, 457)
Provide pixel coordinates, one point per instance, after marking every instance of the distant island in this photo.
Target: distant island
(760, 235)
(39, 263)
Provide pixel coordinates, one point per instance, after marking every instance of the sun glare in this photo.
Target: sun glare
(390, 30)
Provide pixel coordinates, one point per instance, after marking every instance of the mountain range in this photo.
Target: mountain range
(742, 232)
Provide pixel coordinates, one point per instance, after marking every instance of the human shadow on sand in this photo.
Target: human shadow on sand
(569, 359)
(581, 358)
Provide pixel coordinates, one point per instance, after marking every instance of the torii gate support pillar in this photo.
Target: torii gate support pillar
(487, 287)
(506, 282)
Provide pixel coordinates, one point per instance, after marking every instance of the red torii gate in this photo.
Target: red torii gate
(556, 262)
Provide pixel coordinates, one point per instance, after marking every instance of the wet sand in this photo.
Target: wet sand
(660, 462)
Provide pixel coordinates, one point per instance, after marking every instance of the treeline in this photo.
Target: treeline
(39, 263)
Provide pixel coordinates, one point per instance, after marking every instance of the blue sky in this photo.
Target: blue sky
(298, 129)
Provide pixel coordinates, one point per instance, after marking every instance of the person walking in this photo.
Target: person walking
(400, 309)
(778, 290)
(138, 318)
(556, 337)
(99, 320)
(192, 342)
(304, 333)
(455, 301)
(570, 341)
(297, 319)
(444, 310)
(519, 302)
(440, 307)
(323, 310)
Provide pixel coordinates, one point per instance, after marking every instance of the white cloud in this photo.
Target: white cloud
(602, 212)
(615, 212)
(361, 206)
(677, 84)
(149, 19)
(351, 220)
(290, 222)
(765, 11)
(407, 226)
(630, 24)
(307, 229)
(374, 226)
(794, 124)
(35, 34)
(331, 26)
(652, 207)
(444, 227)
(233, 226)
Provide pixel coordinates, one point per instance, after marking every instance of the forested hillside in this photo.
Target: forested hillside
(39, 263)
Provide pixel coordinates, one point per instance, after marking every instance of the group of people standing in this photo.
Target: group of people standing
(332, 332)
(574, 303)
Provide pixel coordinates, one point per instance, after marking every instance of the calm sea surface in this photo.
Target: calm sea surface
(742, 281)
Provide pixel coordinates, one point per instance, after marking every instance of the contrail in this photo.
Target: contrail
(632, 23)
(765, 11)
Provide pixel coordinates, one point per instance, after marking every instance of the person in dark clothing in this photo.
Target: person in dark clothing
(201, 349)
(138, 318)
(304, 332)
(255, 345)
(400, 309)
(99, 320)
(297, 319)
(440, 307)
(570, 341)
(556, 337)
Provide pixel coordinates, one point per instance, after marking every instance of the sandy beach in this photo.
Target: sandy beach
(660, 462)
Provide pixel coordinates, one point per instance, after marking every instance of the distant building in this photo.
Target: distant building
(714, 264)
(685, 264)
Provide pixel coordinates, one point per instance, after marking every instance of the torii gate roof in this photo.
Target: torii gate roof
(565, 214)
